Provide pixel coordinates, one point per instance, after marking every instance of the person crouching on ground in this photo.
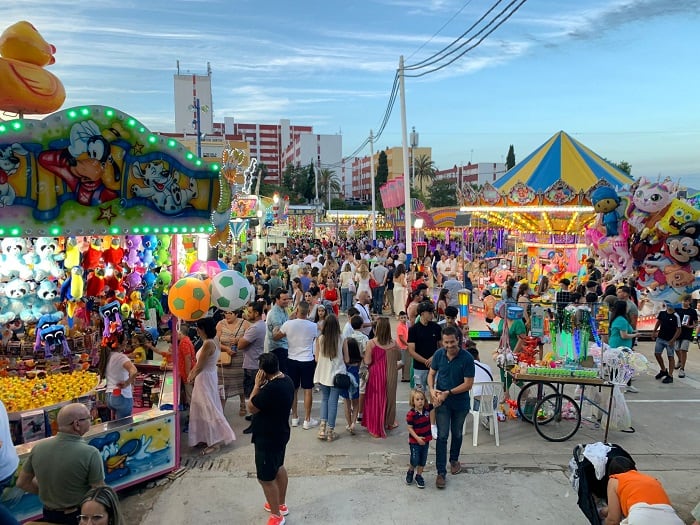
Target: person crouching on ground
(270, 401)
(638, 498)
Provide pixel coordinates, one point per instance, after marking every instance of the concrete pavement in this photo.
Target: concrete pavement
(357, 478)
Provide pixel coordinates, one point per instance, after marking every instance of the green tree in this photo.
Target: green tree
(424, 169)
(327, 180)
(510, 158)
(624, 166)
(382, 174)
(443, 193)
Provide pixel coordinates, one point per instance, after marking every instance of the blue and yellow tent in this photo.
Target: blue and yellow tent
(566, 159)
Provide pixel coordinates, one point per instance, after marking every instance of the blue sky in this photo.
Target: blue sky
(621, 76)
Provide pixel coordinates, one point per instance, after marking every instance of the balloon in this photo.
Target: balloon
(210, 268)
(189, 298)
(230, 291)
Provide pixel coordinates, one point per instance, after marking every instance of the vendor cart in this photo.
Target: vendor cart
(557, 414)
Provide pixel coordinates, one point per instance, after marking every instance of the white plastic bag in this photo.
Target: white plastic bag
(620, 417)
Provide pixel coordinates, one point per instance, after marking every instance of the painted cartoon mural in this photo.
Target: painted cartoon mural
(96, 170)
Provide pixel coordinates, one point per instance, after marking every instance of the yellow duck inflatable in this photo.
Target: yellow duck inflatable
(26, 86)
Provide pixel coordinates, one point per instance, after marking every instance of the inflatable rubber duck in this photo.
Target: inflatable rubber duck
(26, 86)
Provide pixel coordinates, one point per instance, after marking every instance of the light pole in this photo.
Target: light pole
(197, 122)
(414, 144)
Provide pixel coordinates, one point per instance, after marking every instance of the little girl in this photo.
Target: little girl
(419, 436)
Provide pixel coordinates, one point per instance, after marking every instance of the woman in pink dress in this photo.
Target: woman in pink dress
(207, 421)
(381, 356)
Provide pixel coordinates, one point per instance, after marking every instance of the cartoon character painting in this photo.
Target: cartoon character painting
(9, 164)
(86, 165)
(162, 187)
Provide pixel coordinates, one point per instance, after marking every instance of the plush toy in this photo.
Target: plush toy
(15, 259)
(162, 284)
(133, 281)
(72, 292)
(45, 321)
(95, 283)
(53, 340)
(111, 321)
(47, 293)
(605, 201)
(684, 248)
(73, 255)
(137, 305)
(46, 257)
(92, 258)
(16, 299)
(162, 253)
(153, 307)
(114, 255)
(113, 281)
(134, 247)
(149, 279)
(150, 244)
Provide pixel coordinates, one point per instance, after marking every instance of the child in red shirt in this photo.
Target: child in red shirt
(419, 436)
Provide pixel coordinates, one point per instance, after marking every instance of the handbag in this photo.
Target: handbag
(224, 358)
(351, 287)
(342, 381)
(372, 283)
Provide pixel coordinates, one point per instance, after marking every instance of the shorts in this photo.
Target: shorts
(419, 454)
(661, 344)
(122, 406)
(268, 460)
(364, 374)
(248, 381)
(352, 392)
(301, 373)
(683, 345)
(420, 379)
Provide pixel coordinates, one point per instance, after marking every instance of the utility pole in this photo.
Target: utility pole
(371, 179)
(406, 182)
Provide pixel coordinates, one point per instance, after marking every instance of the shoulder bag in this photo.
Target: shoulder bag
(224, 358)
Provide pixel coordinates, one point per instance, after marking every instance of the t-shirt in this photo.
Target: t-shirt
(635, 487)
(668, 324)
(364, 313)
(420, 421)
(65, 467)
(427, 340)
(402, 330)
(689, 324)
(301, 334)
(516, 327)
(271, 424)
(276, 317)
(379, 273)
(8, 454)
(116, 373)
(255, 335)
(620, 324)
(454, 286)
(451, 374)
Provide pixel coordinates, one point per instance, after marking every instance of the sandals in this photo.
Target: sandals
(210, 450)
(392, 427)
(350, 429)
(242, 411)
(331, 435)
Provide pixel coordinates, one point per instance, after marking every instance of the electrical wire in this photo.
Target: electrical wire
(437, 55)
(441, 28)
(499, 24)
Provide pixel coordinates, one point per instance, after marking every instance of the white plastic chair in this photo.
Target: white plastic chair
(491, 393)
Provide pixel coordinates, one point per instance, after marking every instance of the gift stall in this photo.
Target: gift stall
(93, 205)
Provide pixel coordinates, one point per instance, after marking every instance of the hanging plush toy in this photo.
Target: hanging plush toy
(73, 255)
(114, 255)
(162, 253)
(92, 258)
(15, 259)
(46, 258)
(111, 319)
(53, 341)
(47, 293)
(605, 201)
(134, 248)
(150, 244)
(137, 305)
(153, 307)
(16, 301)
(72, 292)
(45, 321)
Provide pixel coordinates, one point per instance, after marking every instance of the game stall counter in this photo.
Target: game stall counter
(51, 226)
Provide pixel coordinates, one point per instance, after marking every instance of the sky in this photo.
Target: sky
(621, 76)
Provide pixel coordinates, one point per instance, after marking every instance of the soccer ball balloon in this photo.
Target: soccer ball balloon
(189, 298)
(230, 291)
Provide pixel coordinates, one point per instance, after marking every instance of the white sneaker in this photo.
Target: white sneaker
(632, 390)
(433, 431)
(681, 372)
(311, 423)
(295, 421)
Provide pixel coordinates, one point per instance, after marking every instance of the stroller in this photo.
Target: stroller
(591, 490)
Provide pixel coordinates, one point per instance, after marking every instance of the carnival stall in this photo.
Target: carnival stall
(92, 208)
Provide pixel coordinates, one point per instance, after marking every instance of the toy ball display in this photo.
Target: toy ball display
(230, 291)
(189, 298)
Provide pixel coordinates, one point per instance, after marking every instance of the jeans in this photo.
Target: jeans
(419, 454)
(329, 404)
(420, 379)
(448, 420)
(6, 517)
(345, 299)
(378, 300)
(122, 406)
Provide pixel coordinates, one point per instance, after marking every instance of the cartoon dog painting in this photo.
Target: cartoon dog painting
(162, 187)
(9, 163)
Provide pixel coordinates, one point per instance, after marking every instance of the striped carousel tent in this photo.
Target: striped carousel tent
(566, 159)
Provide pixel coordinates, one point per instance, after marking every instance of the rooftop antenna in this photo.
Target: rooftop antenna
(208, 69)
(178, 67)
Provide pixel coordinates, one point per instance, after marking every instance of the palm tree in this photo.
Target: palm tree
(424, 170)
(329, 182)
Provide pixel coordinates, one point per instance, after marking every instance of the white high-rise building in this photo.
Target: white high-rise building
(188, 89)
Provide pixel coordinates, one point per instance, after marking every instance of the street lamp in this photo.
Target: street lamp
(414, 144)
(197, 122)
(417, 225)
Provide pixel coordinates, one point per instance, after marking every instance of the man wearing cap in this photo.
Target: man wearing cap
(666, 331)
(63, 468)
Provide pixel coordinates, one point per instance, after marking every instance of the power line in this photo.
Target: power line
(441, 28)
(499, 24)
(437, 55)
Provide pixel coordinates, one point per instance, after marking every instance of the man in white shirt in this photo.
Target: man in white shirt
(379, 274)
(442, 268)
(301, 334)
(364, 300)
(309, 259)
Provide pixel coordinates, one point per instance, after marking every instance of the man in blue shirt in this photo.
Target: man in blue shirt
(450, 379)
(276, 341)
